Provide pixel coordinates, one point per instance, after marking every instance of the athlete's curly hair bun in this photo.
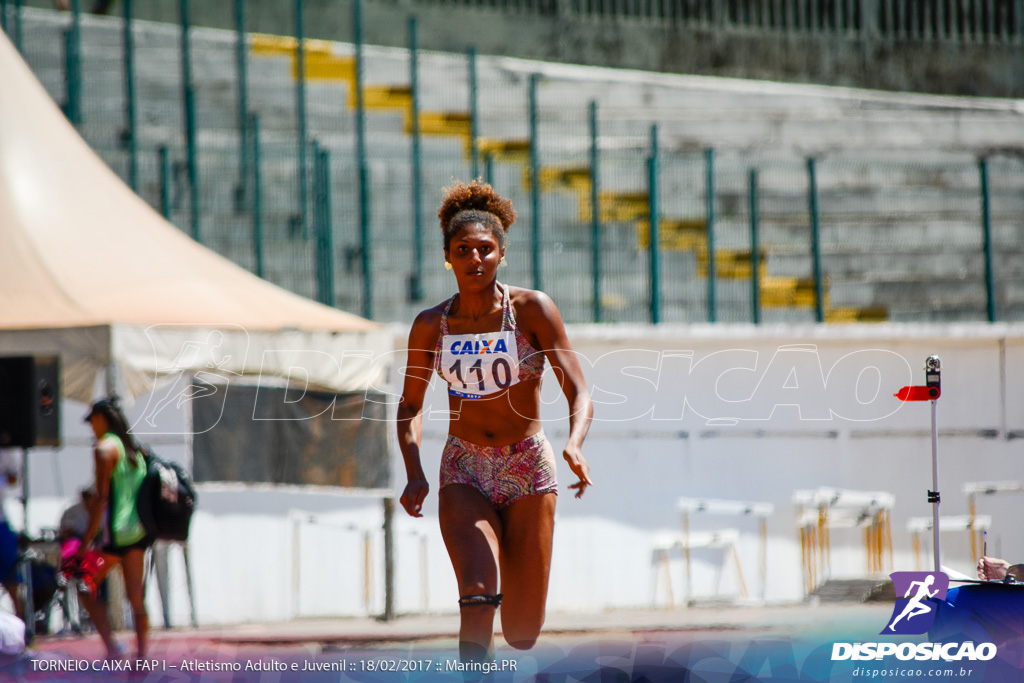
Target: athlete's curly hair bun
(474, 202)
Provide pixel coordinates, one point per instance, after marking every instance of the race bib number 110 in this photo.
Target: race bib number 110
(476, 365)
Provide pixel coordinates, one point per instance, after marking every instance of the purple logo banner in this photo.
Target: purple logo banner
(917, 597)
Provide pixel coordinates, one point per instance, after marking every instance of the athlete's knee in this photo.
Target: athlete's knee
(520, 634)
(477, 596)
(137, 600)
(520, 640)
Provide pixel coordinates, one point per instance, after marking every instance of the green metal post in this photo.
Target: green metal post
(324, 235)
(72, 60)
(190, 119)
(416, 283)
(165, 181)
(301, 226)
(474, 131)
(595, 212)
(314, 147)
(257, 193)
(535, 182)
(19, 32)
(328, 226)
(318, 220)
(986, 227)
(819, 285)
(242, 59)
(131, 122)
(70, 83)
(709, 208)
(364, 174)
(3, 16)
(654, 216)
(755, 251)
(489, 169)
(1018, 13)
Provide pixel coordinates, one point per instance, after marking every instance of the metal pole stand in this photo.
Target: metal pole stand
(933, 495)
(930, 392)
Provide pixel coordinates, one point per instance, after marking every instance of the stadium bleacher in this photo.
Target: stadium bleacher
(897, 175)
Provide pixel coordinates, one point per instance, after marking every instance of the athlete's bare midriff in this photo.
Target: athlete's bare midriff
(498, 420)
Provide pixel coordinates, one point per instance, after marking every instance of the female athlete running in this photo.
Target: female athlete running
(497, 483)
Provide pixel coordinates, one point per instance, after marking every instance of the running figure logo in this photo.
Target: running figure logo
(915, 611)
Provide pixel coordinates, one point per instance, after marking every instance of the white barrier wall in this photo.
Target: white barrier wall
(725, 412)
(758, 414)
(735, 412)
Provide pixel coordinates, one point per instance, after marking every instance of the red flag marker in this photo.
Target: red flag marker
(918, 393)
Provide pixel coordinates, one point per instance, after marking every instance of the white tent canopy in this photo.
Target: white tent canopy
(90, 272)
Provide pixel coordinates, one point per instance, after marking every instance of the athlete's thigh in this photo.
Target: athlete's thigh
(133, 567)
(471, 530)
(529, 525)
(109, 562)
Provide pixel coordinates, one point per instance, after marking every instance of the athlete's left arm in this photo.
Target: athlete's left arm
(541, 317)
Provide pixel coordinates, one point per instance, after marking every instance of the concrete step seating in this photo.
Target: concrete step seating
(876, 206)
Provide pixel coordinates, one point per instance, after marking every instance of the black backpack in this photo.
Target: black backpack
(166, 499)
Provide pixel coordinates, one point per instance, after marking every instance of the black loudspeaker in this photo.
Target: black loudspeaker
(29, 401)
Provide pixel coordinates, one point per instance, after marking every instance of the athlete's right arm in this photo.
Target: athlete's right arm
(419, 366)
(105, 459)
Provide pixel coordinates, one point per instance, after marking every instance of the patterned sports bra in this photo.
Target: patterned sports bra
(479, 347)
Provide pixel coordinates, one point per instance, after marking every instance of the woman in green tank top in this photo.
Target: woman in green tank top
(120, 469)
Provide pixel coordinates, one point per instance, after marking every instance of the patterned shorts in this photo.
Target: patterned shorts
(504, 474)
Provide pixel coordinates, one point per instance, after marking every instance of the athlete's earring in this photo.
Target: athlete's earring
(502, 263)
(447, 265)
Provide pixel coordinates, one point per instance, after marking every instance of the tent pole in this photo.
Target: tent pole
(110, 380)
(190, 437)
(389, 559)
(24, 489)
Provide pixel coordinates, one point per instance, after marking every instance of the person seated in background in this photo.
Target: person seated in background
(994, 569)
(75, 520)
(80, 570)
(10, 575)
